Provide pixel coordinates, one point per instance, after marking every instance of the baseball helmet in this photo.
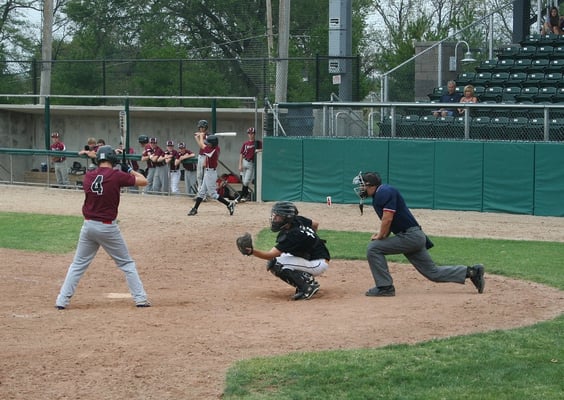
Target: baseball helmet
(181, 145)
(55, 135)
(170, 143)
(285, 209)
(153, 140)
(251, 130)
(203, 124)
(362, 180)
(212, 140)
(143, 139)
(106, 153)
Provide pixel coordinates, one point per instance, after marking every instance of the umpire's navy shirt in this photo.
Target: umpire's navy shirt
(388, 198)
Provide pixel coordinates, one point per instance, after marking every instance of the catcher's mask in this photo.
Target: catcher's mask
(283, 213)
(106, 153)
(364, 180)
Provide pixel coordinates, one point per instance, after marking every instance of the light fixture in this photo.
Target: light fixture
(468, 56)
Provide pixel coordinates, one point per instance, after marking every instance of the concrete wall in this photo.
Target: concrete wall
(23, 127)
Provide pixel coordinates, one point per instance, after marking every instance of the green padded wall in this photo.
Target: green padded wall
(549, 179)
(512, 177)
(282, 165)
(411, 166)
(458, 176)
(509, 177)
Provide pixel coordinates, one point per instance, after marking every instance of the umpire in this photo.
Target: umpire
(408, 239)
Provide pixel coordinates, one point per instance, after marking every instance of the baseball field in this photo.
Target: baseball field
(214, 307)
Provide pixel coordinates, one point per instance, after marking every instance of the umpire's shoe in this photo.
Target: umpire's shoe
(476, 275)
(382, 291)
(192, 212)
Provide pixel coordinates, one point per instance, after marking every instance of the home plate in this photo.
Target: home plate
(118, 295)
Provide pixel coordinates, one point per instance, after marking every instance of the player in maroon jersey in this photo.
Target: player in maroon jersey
(59, 162)
(247, 162)
(102, 188)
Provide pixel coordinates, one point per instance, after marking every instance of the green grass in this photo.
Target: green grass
(524, 363)
(36, 232)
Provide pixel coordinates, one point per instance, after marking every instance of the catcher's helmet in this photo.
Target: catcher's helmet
(143, 139)
(212, 140)
(251, 131)
(362, 180)
(285, 209)
(203, 124)
(106, 153)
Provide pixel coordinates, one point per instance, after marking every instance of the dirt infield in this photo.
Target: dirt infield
(213, 306)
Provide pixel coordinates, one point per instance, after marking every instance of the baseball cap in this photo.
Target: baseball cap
(55, 135)
(181, 145)
(153, 140)
(170, 143)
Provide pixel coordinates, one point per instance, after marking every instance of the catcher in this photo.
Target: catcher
(299, 254)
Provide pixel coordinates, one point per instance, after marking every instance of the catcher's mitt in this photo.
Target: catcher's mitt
(245, 244)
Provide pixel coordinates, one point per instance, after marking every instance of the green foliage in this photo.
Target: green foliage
(36, 232)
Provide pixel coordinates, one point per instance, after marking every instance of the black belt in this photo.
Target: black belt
(251, 160)
(210, 169)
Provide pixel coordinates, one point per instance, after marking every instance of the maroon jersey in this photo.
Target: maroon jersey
(58, 146)
(248, 149)
(212, 156)
(102, 193)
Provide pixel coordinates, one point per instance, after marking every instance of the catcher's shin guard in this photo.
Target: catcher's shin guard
(298, 279)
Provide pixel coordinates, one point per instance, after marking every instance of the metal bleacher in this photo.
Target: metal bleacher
(530, 74)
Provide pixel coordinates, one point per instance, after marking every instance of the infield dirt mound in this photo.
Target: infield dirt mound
(213, 306)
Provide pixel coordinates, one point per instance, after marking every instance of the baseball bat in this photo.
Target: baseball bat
(225, 134)
(123, 129)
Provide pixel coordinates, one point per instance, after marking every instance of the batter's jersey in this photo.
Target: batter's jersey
(212, 156)
(302, 241)
(388, 198)
(102, 193)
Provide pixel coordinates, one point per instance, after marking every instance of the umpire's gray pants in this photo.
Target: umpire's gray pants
(412, 245)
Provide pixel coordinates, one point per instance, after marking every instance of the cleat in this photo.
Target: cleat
(143, 304)
(60, 307)
(477, 276)
(388, 291)
(231, 207)
(193, 212)
(308, 294)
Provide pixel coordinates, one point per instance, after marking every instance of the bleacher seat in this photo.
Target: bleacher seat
(539, 65)
(521, 65)
(526, 52)
(480, 127)
(527, 94)
(386, 125)
(534, 130)
(482, 78)
(548, 39)
(498, 126)
(515, 128)
(509, 93)
(552, 79)
(507, 52)
(437, 93)
(465, 78)
(504, 65)
(556, 129)
(531, 40)
(492, 93)
(555, 65)
(557, 53)
(487, 65)
(424, 128)
(516, 79)
(545, 94)
(499, 78)
(543, 51)
(443, 127)
(558, 96)
(533, 79)
(406, 126)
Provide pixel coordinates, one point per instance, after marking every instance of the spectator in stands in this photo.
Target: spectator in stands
(554, 23)
(451, 96)
(468, 97)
